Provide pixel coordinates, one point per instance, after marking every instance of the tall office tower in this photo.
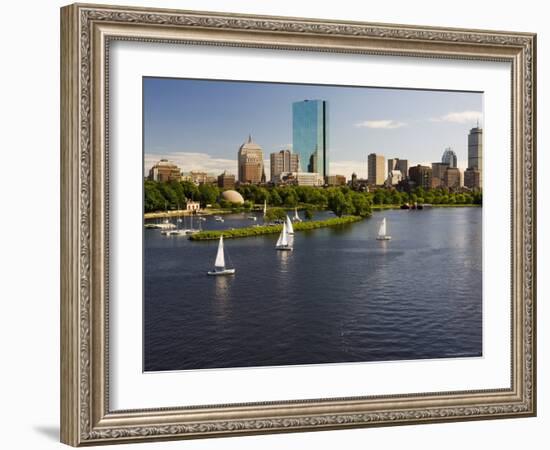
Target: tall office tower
(310, 135)
(399, 164)
(376, 168)
(283, 161)
(474, 178)
(475, 149)
(449, 157)
(250, 162)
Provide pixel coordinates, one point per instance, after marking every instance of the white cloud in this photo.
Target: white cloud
(188, 161)
(459, 117)
(196, 161)
(346, 168)
(380, 124)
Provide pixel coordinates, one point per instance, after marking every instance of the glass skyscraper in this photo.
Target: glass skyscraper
(310, 135)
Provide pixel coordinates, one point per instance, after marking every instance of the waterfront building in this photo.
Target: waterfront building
(399, 164)
(165, 170)
(394, 177)
(474, 179)
(449, 158)
(376, 169)
(300, 179)
(192, 206)
(336, 180)
(310, 136)
(226, 180)
(438, 174)
(283, 161)
(421, 176)
(250, 162)
(452, 178)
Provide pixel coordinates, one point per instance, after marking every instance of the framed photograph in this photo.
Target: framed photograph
(276, 224)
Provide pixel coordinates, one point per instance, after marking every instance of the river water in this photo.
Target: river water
(340, 296)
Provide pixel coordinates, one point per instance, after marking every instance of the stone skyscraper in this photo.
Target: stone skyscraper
(250, 162)
(473, 175)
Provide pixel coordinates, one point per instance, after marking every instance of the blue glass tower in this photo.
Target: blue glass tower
(310, 135)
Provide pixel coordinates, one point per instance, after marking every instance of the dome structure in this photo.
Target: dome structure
(232, 196)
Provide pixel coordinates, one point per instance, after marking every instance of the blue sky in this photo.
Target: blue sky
(200, 124)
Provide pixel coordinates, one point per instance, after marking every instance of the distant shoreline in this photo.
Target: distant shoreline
(219, 211)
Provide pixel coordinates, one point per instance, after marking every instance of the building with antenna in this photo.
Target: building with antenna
(250, 162)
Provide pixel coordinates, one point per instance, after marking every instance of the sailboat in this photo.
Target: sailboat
(219, 265)
(289, 227)
(283, 243)
(296, 216)
(382, 236)
(265, 207)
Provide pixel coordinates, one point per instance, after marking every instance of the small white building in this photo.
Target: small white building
(192, 206)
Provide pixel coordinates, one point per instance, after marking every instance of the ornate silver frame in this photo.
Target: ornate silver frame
(86, 31)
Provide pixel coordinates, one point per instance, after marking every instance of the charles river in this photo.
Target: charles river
(340, 296)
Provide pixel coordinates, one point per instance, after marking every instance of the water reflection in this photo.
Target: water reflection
(222, 297)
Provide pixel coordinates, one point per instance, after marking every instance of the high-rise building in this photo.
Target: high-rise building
(283, 161)
(226, 180)
(449, 157)
(475, 149)
(399, 164)
(452, 178)
(250, 162)
(310, 135)
(376, 169)
(438, 174)
(475, 159)
(394, 178)
(164, 170)
(421, 176)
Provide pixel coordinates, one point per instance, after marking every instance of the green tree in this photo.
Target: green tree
(361, 204)
(339, 204)
(208, 194)
(273, 214)
(308, 213)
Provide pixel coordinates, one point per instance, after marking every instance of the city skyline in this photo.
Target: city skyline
(194, 123)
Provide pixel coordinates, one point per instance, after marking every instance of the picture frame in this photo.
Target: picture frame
(87, 32)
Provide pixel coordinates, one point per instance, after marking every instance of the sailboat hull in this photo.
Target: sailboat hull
(284, 248)
(216, 273)
(383, 238)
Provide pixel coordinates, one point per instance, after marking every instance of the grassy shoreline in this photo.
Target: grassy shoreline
(258, 208)
(272, 229)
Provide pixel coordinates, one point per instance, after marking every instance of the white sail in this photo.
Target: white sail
(382, 229)
(265, 207)
(289, 226)
(296, 216)
(283, 237)
(220, 258)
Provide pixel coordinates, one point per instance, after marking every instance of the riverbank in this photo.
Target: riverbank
(272, 229)
(259, 208)
(431, 205)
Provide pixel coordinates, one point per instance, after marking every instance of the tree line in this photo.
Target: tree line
(341, 200)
